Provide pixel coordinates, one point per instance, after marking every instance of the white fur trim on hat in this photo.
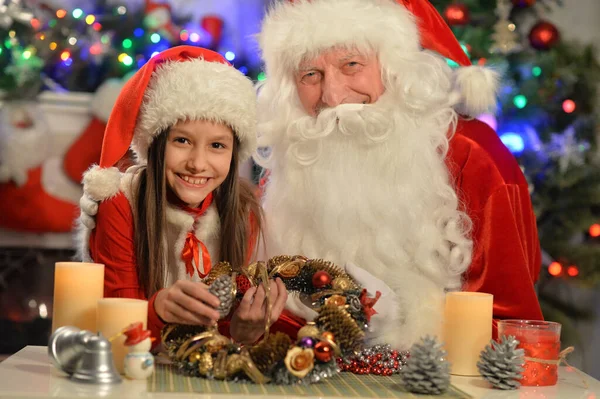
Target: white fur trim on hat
(292, 32)
(192, 90)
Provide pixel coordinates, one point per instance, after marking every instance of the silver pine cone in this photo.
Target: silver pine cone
(222, 288)
(427, 371)
(500, 363)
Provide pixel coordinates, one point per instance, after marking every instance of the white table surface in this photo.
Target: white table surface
(29, 374)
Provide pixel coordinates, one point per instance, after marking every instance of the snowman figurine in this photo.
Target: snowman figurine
(139, 362)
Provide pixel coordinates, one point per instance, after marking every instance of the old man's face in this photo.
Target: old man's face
(338, 76)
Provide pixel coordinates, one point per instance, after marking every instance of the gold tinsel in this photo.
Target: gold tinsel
(174, 335)
(338, 321)
(270, 351)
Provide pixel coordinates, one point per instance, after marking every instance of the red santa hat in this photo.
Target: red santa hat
(297, 30)
(181, 83)
(135, 334)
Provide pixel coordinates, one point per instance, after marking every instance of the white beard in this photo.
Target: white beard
(371, 189)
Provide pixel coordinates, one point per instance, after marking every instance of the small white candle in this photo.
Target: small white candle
(467, 329)
(77, 288)
(114, 315)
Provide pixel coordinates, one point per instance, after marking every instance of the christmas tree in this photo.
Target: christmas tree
(549, 120)
(77, 50)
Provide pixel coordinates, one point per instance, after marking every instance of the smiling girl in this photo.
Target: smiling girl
(190, 119)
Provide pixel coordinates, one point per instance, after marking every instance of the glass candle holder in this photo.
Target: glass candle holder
(541, 342)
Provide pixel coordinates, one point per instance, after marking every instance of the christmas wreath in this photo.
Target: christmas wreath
(324, 346)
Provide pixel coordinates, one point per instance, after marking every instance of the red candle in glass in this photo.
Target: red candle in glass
(540, 340)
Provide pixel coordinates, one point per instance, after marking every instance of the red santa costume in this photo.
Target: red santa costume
(408, 189)
(182, 83)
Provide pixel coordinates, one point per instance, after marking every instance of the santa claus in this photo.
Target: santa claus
(373, 163)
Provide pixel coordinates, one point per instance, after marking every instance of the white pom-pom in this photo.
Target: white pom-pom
(101, 183)
(477, 87)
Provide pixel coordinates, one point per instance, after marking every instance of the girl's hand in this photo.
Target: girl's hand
(187, 302)
(248, 321)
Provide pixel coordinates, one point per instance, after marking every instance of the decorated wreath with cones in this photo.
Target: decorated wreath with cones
(343, 310)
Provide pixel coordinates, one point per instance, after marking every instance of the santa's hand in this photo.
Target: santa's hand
(89, 209)
(387, 306)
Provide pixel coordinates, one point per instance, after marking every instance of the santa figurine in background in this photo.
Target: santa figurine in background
(139, 362)
(42, 172)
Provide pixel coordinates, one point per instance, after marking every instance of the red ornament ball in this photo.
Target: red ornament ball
(457, 14)
(321, 279)
(523, 3)
(323, 352)
(543, 35)
(243, 284)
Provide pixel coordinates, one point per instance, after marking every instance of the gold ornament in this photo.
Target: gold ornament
(328, 335)
(339, 322)
(341, 283)
(291, 269)
(194, 357)
(336, 300)
(299, 361)
(285, 266)
(205, 364)
(309, 330)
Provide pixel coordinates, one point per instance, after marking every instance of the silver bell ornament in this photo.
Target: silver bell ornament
(96, 364)
(66, 346)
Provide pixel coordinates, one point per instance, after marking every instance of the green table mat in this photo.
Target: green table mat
(347, 385)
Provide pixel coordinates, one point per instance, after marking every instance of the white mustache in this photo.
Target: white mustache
(370, 120)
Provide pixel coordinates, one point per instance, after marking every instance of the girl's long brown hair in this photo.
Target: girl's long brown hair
(236, 204)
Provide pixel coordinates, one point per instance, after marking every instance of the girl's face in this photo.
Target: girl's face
(197, 159)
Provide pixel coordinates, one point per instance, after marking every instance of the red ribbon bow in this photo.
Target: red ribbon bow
(191, 256)
(368, 303)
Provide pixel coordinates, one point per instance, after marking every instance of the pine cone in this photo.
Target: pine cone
(218, 270)
(426, 371)
(500, 363)
(222, 288)
(270, 351)
(338, 321)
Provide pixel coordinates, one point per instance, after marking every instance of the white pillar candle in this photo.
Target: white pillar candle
(77, 288)
(467, 329)
(114, 315)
